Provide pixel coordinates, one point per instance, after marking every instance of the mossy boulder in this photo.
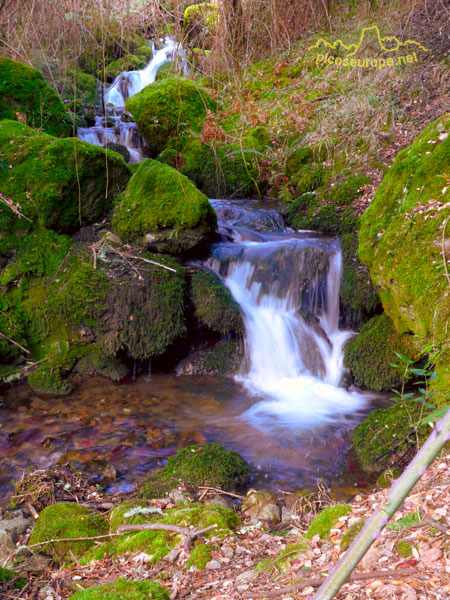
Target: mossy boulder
(49, 380)
(358, 295)
(371, 354)
(208, 464)
(66, 520)
(124, 588)
(389, 435)
(329, 209)
(214, 306)
(25, 96)
(200, 23)
(99, 363)
(403, 240)
(158, 544)
(172, 107)
(326, 519)
(162, 210)
(60, 184)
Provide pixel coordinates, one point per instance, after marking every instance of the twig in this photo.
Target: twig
(13, 342)
(212, 489)
(152, 262)
(317, 581)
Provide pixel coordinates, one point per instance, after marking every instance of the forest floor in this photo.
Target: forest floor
(410, 560)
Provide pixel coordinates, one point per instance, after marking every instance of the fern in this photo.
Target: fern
(284, 194)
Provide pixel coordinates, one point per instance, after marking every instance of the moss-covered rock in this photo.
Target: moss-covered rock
(58, 183)
(358, 295)
(329, 210)
(99, 363)
(172, 107)
(389, 434)
(163, 210)
(49, 380)
(64, 520)
(129, 62)
(25, 96)
(123, 588)
(351, 533)
(326, 519)
(209, 464)
(214, 306)
(371, 354)
(402, 240)
(200, 23)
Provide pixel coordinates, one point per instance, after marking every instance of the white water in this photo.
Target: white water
(125, 85)
(293, 365)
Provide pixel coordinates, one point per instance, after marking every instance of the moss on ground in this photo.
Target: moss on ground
(282, 561)
(402, 240)
(326, 519)
(200, 556)
(60, 184)
(163, 210)
(370, 357)
(388, 434)
(172, 107)
(123, 588)
(66, 520)
(6, 576)
(351, 533)
(214, 306)
(209, 464)
(24, 95)
(404, 549)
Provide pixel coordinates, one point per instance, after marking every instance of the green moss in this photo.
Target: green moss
(123, 588)
(49, 379)
(158, 544)
(200, 23)
(309, 178)
(387, 477)
(401, 241)
(371, 355)
(79, 88)
(200, 556)
(283, 559)
(6, 575)
(326, 519)
(67, 521)
(209, 464)
(329, 210)
(129, 62)
(404, 549)
(357, 292)
(164, 206)
(58, 183)
(214, 306)
(351, 533)
(100, 363)
(387, 433)
(25, 95)
(224, 358)
(172, 107)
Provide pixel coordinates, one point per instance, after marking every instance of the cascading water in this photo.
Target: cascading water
(287, 284)
(111, 127)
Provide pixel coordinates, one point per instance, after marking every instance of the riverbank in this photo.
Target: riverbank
(257, 561)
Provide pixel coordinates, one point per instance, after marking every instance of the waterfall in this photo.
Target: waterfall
(111, 128)
(287, 284)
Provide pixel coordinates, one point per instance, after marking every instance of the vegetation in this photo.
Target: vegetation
(123, 588)
(209, 465)
(326, 519)
(163, 210)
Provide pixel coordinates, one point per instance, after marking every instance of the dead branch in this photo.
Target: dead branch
(13, 342)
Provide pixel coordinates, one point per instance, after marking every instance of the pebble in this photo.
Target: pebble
(213, 564)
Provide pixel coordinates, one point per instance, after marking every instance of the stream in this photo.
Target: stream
(285, 411)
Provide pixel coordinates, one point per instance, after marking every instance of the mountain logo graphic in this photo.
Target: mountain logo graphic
(386, 43)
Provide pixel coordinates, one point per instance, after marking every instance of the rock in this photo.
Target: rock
(179, 496)
(261, 505)
(163, 211)
(10, 531)
(213, 564)
(286, 514)
(245, 577)
(220, 500)
(36, 563)
(227, 552)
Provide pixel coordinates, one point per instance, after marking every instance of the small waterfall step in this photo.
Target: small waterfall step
(287, 284)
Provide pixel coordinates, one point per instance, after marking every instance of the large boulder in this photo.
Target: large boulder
(162, 210)
(172, 107)
(25, 96)
(61, 184)
(404, 240)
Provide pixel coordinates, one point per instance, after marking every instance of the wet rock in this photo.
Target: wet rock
(10, 531)
(219, 500)
(261, 505)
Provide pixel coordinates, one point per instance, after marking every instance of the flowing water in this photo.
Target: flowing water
(284, 412)
(114, 126)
